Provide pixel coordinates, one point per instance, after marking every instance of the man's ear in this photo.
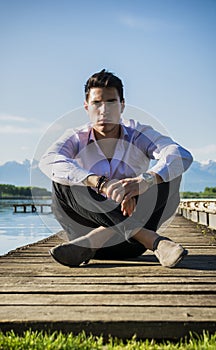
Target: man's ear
(86, 105)
(122, 105)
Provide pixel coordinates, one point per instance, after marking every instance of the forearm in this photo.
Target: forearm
(98, 182)
(173, 161)
(91, 180)
(157, 178)
(62, 169)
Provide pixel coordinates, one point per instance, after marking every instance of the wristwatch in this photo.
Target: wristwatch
(149, 179)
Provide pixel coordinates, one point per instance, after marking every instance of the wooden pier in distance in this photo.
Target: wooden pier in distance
(120, 298)
(32, 206)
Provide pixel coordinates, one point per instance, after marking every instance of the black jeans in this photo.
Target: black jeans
(80, 209)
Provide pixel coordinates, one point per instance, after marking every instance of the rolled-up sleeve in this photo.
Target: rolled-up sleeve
(59, 163)
(172, 160)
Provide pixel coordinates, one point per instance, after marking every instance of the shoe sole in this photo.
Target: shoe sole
(184, 253)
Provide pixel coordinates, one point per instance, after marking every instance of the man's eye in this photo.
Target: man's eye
(111, 101)
(99, 103)
(96, 103)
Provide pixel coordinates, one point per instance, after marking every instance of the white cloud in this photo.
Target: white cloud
(12, 129)
(15, 118)
(13, 124)
(205, 153)
(146, 24)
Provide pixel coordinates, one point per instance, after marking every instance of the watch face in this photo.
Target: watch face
(148, 178)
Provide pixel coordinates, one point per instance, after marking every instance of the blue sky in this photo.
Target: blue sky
(163, 50)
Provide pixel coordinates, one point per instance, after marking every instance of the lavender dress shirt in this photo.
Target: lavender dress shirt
(76, 154)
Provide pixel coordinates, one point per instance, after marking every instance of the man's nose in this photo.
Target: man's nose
(103, 108)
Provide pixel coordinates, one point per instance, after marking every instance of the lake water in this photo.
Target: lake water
(19, 229)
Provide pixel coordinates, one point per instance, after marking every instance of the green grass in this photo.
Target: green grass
(58, 341)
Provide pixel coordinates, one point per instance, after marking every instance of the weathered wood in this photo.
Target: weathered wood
(105, 313)
(112, 297)
(129, 299)
(113, 288)
(104, 280)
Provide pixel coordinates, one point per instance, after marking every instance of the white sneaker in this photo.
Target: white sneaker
(168, 252)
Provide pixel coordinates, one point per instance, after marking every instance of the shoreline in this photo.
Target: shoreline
(26, 198)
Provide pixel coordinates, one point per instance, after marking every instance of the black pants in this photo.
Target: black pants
(80, 209)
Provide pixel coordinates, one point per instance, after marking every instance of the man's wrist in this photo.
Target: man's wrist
(91, 180)
(149, 178)
(100, 184)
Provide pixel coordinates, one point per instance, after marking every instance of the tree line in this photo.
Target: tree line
(22, 191)
(31, 191)
(209, 192)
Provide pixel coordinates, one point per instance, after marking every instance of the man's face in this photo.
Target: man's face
(104, 109)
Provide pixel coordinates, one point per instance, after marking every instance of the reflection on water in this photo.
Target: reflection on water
(20, 229)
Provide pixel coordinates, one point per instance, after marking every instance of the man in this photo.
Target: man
(105, 196)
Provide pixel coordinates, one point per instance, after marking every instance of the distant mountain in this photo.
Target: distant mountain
(23, 174)
(195, 179)
(15, 173)
(199, 176)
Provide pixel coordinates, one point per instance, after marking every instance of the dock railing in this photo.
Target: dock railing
(202, 211)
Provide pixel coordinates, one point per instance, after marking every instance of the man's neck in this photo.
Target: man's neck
(107, 142)
(113, 134)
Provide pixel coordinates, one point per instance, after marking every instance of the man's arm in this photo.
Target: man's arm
(59, 162)
(95, 181)
(172, 159)
(122, 190)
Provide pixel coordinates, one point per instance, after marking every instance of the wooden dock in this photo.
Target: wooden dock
(33, 207)
(121, 298)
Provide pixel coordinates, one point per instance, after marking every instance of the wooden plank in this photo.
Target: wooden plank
(105, 313)
(92, 279)
(197, 267)
(108, 299)
(111, 288)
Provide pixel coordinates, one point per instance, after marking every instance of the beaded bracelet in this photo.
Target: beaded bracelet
(101, 181)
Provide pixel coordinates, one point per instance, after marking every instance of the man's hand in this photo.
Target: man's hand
(124, 192)
(114, 190)
(118, 190)
(128, 207)
(133, 187)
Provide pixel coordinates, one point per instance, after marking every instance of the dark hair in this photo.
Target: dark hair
(104, 79)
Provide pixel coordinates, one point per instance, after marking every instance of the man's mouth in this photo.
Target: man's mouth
(103, 121)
